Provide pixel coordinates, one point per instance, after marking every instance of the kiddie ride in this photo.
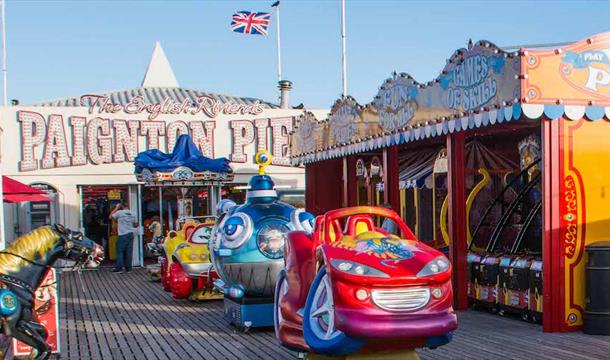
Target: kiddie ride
(351, 286)
(23, 266)
(186, 268)
(248, 249)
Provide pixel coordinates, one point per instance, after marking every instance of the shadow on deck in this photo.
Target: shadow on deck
(124, 316)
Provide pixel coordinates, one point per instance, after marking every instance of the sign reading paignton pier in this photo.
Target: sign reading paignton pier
(101, 131)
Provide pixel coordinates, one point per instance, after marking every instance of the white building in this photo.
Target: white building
(81, 149)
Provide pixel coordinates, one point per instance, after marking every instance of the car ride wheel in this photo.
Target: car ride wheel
(280, 290)
(319, 328)
(181, 285)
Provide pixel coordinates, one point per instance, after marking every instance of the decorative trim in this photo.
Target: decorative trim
(471, 121)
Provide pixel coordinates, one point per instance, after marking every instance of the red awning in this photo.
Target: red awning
(11, 186)
(13, 198)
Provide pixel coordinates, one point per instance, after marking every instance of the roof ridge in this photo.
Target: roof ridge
(129, 93)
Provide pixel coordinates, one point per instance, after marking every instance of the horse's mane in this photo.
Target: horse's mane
(37, 242)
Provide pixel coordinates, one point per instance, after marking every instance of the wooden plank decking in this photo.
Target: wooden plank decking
(124, 316)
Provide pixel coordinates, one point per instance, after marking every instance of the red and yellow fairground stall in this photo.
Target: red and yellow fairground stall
(502, 161)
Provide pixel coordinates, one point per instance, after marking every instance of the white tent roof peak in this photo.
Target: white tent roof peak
(159, 72)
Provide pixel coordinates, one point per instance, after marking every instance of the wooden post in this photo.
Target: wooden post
(457, 217)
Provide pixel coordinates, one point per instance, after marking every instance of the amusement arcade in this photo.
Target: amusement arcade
(496, 162)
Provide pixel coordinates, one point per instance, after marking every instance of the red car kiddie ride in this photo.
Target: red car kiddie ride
(351, 286)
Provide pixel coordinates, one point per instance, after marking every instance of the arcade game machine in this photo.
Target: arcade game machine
(248, 248)
(505, 249)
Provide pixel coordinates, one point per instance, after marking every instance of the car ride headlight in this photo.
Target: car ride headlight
(355, 268)
(271, 240)
(236, 230)
(436, 266)
(301, 220)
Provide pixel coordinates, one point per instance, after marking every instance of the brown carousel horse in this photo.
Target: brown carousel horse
(23, 266)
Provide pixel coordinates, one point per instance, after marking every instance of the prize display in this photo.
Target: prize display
(248, 248)
(23, 267)
(354, 284)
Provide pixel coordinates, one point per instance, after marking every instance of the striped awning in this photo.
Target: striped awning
(505, 114)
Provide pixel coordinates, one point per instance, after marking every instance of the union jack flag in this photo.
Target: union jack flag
(248, 22)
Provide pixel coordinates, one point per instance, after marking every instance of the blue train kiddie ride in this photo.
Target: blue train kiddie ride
(248, 248)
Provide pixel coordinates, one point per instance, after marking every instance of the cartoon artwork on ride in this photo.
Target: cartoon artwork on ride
(352, 286)
(504, 259)
(23, 266)
(248, 248)
(184, 263)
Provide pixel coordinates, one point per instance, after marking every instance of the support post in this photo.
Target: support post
(345, 193)
(390, 182)
(553, 297)
(457, 217)
(161, 207)
(352, 181)
(310, 189)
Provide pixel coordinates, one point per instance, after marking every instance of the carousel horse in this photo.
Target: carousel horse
(23, 267)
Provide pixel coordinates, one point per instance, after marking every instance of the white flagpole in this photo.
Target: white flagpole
(5, 103)
(276, 5)
(4, 86)
(343, 53)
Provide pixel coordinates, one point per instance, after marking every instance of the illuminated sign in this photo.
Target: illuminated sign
(51, 141)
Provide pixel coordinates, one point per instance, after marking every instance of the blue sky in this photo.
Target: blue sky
(67, 48)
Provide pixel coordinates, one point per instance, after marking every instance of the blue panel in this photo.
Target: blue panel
(471, 124)
(401, 139)
(553, 111)
(595, 112)
(516, 112)
(500, 118)
(485, 120)
(451, 126)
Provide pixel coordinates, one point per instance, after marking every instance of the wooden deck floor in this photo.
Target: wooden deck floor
(124, 316)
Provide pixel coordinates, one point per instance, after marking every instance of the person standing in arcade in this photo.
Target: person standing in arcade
(126, 226)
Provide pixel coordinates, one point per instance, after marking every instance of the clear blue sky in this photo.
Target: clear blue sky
(67, 48)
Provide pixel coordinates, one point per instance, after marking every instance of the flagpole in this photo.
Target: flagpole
(5, 103)
(4, 86)
(276, 5)
(343, 52)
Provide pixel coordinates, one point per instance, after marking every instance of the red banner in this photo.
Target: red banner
(46, 312)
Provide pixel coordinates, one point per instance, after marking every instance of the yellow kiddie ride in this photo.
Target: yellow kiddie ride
(186, 270)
